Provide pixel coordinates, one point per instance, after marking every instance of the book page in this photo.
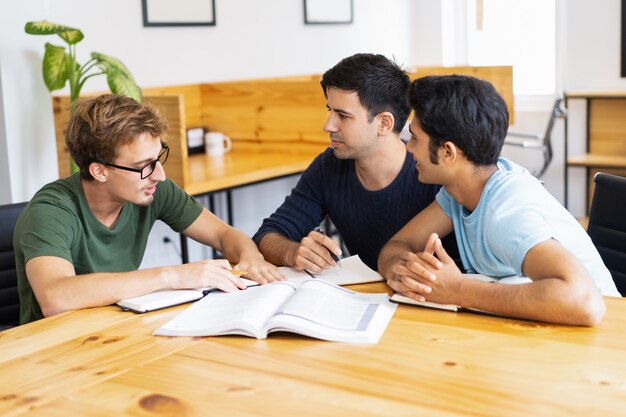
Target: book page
(243, 312)
(331, 309)
(351, 271)
(326, 311)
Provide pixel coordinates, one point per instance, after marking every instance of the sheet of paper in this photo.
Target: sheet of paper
(352, 271)
(397, 298)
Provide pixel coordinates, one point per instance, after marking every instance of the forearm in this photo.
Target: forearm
(278, 249)
(549, 300)
(99, 289)
(236, 245)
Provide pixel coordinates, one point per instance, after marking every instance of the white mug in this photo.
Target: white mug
(216, 143)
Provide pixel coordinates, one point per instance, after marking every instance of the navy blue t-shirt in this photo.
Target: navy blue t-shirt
(365, 219)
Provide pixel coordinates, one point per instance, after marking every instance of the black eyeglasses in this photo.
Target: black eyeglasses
(146, 170)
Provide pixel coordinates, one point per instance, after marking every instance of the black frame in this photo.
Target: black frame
(623, 46)
(308, 21)
(147, 23)
(165, 151)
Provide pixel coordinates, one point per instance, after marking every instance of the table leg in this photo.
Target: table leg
(184, 251)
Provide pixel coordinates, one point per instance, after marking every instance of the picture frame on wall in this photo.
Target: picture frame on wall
(178, 13)
(623, 43)
(325, 12)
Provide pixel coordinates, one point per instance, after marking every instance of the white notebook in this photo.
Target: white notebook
(166, 298)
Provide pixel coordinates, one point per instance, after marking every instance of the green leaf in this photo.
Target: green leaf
(72, 36)
(43, 27)
(55, 71)
(122, 84)
(118, 77)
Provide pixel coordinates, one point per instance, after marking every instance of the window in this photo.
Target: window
(521, 33)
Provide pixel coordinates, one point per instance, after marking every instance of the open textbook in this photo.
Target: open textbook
(511, 280)
(315, 308)
(167, 298)
(351, 271)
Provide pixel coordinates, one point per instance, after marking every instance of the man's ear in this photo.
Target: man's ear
(99, 172)
(449, 152)
(385, 122)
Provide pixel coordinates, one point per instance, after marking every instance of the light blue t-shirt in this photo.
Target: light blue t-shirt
(515, 213)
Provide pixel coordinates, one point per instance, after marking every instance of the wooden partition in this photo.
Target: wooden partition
(277, 113)
(283, 116)
(500, 76)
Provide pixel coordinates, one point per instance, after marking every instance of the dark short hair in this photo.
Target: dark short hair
(99, 126)
(380, 84)
(463, 110)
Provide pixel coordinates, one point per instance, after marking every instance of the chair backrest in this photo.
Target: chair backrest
(9, 299)
(538, 141)
(558, 112)
(607, 225)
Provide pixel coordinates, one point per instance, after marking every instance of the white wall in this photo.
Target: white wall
(592, 48)
(426, 33)
(5, 186)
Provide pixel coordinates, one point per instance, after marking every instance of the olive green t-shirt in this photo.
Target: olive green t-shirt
(58, 222)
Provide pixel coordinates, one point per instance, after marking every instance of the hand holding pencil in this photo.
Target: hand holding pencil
(315, 253)
(332, 254)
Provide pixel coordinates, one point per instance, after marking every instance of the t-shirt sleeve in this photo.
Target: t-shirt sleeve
(445, 200)
(512, 235)
(175, 207)
(302, 210)
(45, 230)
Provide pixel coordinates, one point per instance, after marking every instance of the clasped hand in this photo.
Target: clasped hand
(430, 275)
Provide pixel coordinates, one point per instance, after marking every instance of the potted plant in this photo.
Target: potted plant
(60, 65)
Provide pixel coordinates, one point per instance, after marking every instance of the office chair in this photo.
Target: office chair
(541, 142)
(607, 225)
(9, 298)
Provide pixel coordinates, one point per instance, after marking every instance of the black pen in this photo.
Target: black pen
(332, 254)
(310, 273)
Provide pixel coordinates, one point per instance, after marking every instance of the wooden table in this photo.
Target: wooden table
(244, 167)
(104, 362)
